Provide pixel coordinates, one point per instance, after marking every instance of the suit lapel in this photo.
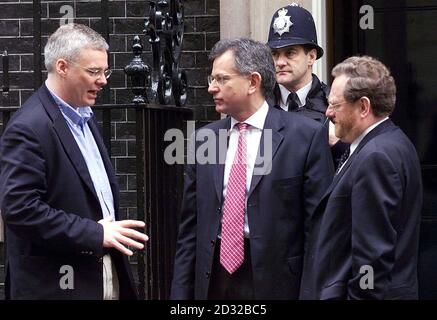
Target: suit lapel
(338, 176)
(384, 126)
(106, 160)
(274, 124)
(66, 137)
(381, 128)
(219, 168)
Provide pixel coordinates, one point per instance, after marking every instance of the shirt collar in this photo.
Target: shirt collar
(357, 141)
(78, 116)
(301, 93)
(257, 119)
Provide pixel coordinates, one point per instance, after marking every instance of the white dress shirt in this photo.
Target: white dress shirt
(253, 138)
(301, 93)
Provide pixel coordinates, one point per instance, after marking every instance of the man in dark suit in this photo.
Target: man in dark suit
(363, 243)
(58, 191)
(245, 209)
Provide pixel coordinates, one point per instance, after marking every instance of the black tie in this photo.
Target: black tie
(292, 102)
(343, 159)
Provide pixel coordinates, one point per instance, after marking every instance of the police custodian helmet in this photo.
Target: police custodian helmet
(293, 25)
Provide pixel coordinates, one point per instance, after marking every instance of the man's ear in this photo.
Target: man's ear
(312, 56)
(365, 107)
(61, 67)
(255, 82)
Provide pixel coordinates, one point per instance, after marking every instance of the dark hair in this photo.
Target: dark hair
(307, 48)
(250, 56)
(368, 77)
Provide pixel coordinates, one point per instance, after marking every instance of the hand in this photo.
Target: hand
(332, 137)
(120, 234)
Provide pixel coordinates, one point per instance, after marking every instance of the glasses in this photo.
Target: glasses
(220, 79)
(335, 106)
(95, 72)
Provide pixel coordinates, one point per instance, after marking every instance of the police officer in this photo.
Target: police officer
(293, 40)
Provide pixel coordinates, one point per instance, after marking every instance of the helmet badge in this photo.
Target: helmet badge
(282, 23)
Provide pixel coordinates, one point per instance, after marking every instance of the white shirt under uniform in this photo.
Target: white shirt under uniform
(301, 93)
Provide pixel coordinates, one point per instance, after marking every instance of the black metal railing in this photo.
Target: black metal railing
(5, 115)
(159, 188)
(6, 109)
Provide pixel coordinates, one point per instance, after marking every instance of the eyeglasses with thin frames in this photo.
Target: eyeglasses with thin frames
(221, 79)
(94, 72)
(336, 106)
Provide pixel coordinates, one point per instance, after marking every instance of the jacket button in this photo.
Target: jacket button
(212, 243)
(219, 209)
(208, 274)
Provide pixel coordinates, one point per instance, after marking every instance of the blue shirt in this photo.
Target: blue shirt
(77, 121)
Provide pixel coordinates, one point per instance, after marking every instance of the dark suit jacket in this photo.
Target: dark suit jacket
(315, 108)
(278, 206)
(50, 207)
(315, 104)
(368, 217)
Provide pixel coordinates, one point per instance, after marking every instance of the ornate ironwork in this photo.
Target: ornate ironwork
(165, 79)
(138, 72)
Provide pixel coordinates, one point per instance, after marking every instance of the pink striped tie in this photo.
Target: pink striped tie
(232, 243)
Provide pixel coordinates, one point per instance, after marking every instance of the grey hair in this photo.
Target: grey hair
(67, 42)
(250, 56)
(368, 77)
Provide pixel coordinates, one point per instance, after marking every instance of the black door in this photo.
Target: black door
(404, 37)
